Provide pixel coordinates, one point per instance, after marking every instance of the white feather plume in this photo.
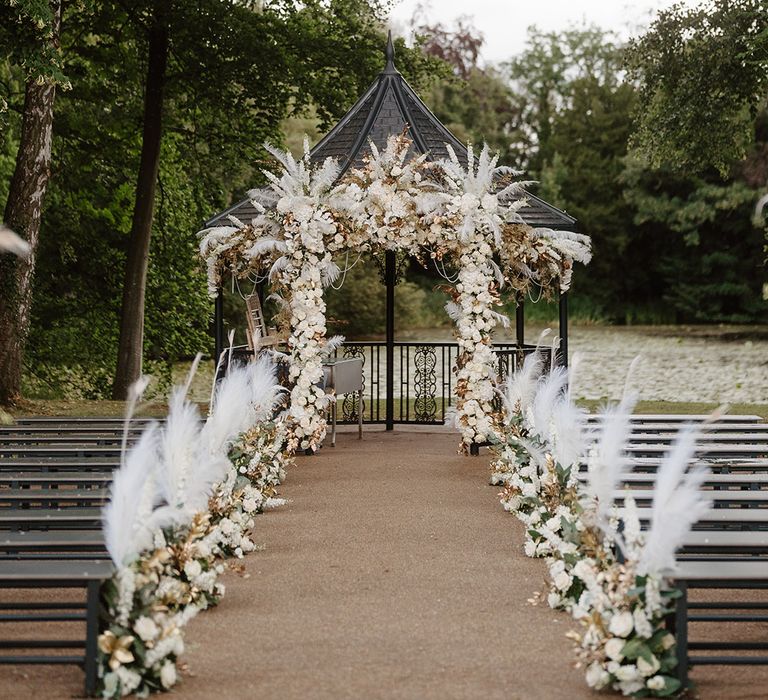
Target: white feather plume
(451, 418)
(230, 413)
(330, 274)
(206, 471)
(568, 436)
(227, 353)
(332, 345)
(678, 502)
(123, 532)
(279, 265)
(453, 310)
(179, 448)
(520, 388)
(503, 319)
(608, 457)
(549, 392)
(266, 246)
(135, 392)
(265, 392)
(11, 242)
(247, 395)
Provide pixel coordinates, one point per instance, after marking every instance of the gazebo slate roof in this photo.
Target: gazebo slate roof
(390, 106)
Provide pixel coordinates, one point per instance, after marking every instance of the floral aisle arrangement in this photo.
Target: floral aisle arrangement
(613, 581)
(182, 500)
(433, 210)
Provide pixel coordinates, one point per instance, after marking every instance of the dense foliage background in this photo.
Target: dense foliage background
(670, 217)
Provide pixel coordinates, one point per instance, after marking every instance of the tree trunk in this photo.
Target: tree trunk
(131, 343)
(23, 213)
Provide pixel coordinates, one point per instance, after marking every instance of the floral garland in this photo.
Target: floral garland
(620, 603)
(147, 603)
(429, 210)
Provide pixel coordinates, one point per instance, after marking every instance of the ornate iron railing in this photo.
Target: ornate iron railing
(423, 379)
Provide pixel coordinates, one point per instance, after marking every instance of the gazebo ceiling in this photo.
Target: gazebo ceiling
(388, 107)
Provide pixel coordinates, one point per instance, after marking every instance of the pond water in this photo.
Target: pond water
(726, 364)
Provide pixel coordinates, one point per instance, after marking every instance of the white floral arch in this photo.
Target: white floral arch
(428, 209)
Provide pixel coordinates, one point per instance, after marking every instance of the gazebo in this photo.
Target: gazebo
(389, 107)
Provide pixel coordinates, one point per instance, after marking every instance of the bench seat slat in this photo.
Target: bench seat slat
(35, 570)
(724, 571)
(15, 516)
(33, 495)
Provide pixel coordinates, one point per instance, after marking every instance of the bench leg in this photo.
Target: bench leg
(681, 633)
(474, 449)
(360, 414)
(333, 424)
(91, 636)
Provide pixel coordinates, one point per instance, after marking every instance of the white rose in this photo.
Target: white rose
(111, 680)
(146, 628)
(627, 673)
(655, 683)
(562, 581)
(596, 676)
(621, 624)
(613, 648)
(168, 674)
(648, 668)
(130, 680)
(178, 645)
(667, 641)
(642, 625)
(193, 569)
(249, 505)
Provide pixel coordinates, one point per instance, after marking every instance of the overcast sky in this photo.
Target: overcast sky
(504, 23)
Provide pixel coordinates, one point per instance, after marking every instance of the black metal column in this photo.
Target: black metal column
(218, 325)
(564, 329)
(389, 280)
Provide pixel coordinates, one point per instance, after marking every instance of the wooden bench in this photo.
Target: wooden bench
(667, 419)
(746, 438)
(52, 464)
(726, 542)
(53, 544)
(61, 450)
(650, 465)
(34, 574)
(750, 575)
(58, 496)
(720, 498)
(62, 440)
(741, 480)
(51, 518)
(748, 518)
(48, 479)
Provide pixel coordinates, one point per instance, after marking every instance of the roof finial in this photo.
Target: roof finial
(389, 52)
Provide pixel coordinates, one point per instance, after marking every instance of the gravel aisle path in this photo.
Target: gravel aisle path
(393, 573)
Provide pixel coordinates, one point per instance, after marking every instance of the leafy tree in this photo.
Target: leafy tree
(542, 79)
(702, 249)
(703, 76)
(588, 142)
(284, 60)
(30, 38)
